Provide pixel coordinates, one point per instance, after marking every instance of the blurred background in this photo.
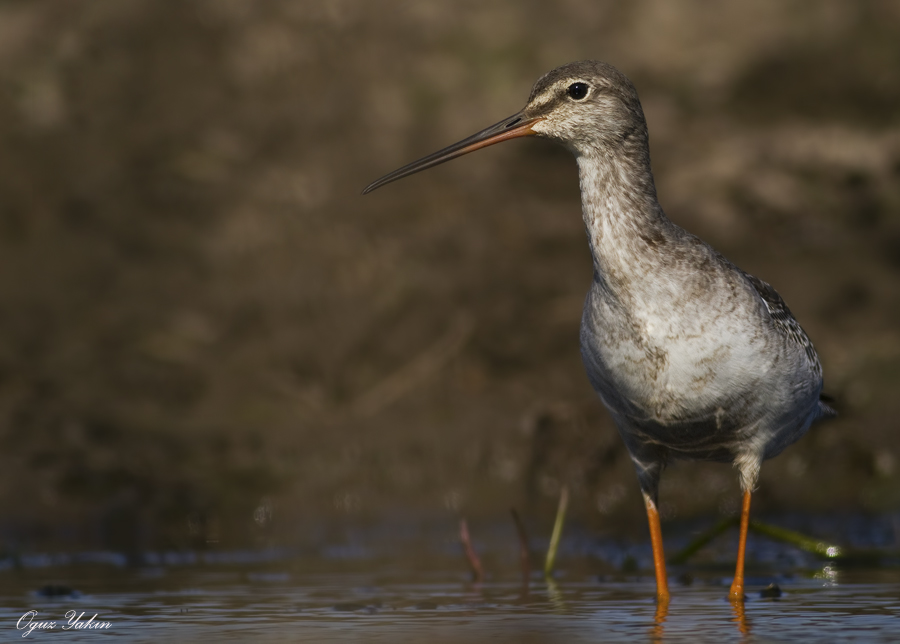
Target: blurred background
(208, 336)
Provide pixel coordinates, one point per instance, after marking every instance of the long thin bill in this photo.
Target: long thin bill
(509, 128)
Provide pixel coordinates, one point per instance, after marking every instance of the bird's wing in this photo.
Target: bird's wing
(784, 320)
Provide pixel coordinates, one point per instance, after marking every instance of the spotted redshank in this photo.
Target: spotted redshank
(693, 357)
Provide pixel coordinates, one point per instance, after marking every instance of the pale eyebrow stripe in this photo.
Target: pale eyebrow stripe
(549, 94)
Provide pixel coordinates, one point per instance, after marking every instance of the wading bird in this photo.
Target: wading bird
(693, 357)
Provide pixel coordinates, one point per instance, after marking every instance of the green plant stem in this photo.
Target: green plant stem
(791, 537)
(550, 561)
(700, 541)
(796, 539)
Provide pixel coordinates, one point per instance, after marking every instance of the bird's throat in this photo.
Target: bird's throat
(625, 225)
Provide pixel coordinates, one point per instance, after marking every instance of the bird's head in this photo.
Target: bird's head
(589, 106)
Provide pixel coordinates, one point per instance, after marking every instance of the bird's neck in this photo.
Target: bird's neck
(624, 222)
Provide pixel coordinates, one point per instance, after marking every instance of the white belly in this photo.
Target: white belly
(670, 362)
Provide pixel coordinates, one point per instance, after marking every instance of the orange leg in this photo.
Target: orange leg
(659, 559)
(737, 586)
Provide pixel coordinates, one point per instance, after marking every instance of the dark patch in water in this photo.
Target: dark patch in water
(772, 591)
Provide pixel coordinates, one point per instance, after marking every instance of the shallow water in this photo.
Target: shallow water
(345, 592)
(281, 606)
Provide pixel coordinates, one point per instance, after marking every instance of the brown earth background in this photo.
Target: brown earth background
(206, 332)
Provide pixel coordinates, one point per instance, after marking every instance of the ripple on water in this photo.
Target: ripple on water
(351, 607)
(422, 594)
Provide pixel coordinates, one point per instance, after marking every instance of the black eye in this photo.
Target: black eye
(577, 91)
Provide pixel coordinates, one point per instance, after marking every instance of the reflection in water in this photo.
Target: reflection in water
(662, 611)
(288, 602)
(555, 596)
(403, 591)
(829, 575)
(740, 617)
(657, 633)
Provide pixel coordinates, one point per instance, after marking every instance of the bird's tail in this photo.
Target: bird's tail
(826, 411)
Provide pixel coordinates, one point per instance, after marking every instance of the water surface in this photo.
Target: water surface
(349, 593)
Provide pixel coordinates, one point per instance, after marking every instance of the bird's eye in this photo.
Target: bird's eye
(577, 91)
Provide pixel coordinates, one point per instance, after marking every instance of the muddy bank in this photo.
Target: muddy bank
(204, 327)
